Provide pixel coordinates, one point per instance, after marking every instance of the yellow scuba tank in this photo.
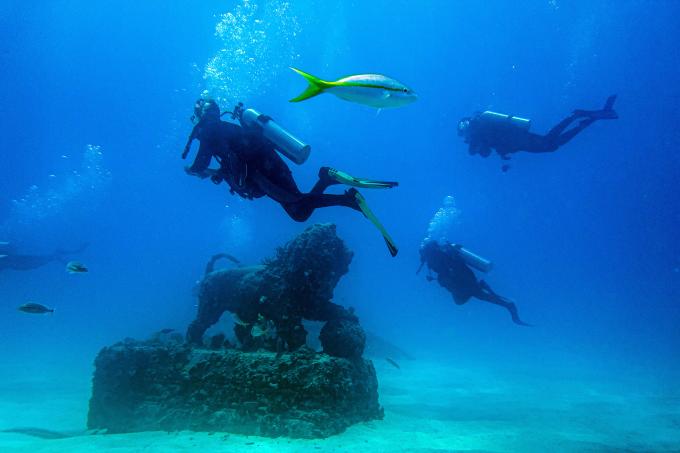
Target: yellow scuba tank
(501, 118)
(285, 143)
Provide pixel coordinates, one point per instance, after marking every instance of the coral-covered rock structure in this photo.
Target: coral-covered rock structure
(271, 384)
(151, 386)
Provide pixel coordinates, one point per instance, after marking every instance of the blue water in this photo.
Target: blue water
(95, 100)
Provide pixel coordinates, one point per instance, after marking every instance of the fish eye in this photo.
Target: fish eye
(405, 90)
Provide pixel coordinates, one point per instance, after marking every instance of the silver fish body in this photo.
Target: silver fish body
(374, 90)
(74, 267)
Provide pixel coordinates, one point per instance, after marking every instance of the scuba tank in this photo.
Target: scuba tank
(285, 143)
(473, 260)
(500, 118)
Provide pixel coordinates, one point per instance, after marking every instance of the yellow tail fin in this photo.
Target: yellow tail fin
(316, 86)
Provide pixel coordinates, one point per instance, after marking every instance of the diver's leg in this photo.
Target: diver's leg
(277, 173)
(571, 133)
(556, 137)
(535, 143)
(324, 182)
(486, 294)
(561, 126)
(273, 177)
(276, 180)
(302, 208)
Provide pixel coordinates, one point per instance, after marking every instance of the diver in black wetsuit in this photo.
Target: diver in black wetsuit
(508, 134)
(455, 275)
(252, 168)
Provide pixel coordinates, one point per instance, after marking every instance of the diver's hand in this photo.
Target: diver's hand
(200, 174)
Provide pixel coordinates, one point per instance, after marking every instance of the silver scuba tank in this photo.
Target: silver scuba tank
(474, 260)
(493, 117)
(285, 143)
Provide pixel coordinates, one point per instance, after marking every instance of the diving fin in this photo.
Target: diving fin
(361, 201)
(609, 104)
(316, 86)
(607, 112)
(344, 178)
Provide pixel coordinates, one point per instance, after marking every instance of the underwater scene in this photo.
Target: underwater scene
(343, 226)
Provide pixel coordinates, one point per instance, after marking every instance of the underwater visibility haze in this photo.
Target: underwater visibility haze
(546, 314)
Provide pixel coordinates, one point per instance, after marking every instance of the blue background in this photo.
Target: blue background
(585, 239)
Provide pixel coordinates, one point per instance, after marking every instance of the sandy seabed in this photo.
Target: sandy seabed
(429, 407)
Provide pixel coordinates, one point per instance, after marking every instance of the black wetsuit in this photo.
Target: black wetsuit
(454, 275)
(252, 168)
(506, 138)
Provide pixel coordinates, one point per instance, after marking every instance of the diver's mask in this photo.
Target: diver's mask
(204, 108)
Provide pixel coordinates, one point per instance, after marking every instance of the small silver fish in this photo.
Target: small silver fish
(75, 267)
(393, 363)
(36, 309)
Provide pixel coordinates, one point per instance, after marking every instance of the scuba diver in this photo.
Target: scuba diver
(250, 165)
(452, 264)
(509, 134)
(11, 260)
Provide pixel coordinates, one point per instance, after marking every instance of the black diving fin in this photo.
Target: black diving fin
(607, 112)
(361, 201)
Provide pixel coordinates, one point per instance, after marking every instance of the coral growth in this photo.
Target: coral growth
(272, 385)
(296, 284)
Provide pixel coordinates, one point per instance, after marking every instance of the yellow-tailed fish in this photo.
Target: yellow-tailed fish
(374, 90)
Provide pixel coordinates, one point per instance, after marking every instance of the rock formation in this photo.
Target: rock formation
(271, 384)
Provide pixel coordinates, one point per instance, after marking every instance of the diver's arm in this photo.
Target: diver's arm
(479, 147)
(201, 163)
(193, 136)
